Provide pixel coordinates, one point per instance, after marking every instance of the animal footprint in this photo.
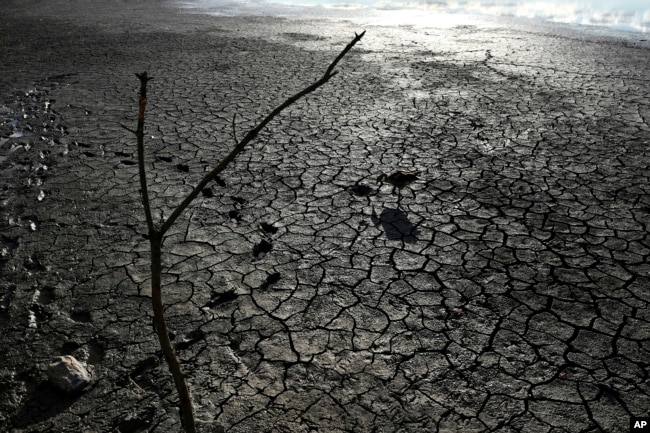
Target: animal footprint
(234, 216)
(270, 281)
(269, 229)
(260, 250)
(361, 190)
(221, 298)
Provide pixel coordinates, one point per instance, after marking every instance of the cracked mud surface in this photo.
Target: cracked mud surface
(508, 292)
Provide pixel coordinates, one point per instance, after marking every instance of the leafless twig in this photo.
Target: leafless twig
(241, 145)
(156, 233)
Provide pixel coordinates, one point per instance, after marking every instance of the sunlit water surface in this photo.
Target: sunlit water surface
(626, 15)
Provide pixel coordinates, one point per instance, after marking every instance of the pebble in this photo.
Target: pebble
(68, 374)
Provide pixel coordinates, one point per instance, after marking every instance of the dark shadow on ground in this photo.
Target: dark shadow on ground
(46, 402)
(396, 225)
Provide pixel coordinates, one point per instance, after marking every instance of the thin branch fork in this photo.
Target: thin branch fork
(155, 240)
(250, 136)
(156, 234)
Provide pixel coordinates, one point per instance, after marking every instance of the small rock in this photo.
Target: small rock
(68, 374)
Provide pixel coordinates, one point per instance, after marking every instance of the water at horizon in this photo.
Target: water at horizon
(624, 15)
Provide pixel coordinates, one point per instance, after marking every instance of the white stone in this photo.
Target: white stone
(68, 374)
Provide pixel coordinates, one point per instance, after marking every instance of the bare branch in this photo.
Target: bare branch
(133, 131)
(347, 48)
(156, 234)
(155, 240)
(250, 136)
(234, 130)
(142, 105)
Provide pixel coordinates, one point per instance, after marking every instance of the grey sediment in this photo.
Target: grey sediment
(509, 293)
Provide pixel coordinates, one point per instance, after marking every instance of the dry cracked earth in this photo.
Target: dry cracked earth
(506, 291)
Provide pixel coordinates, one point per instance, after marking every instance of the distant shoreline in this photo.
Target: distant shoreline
(621, 21)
